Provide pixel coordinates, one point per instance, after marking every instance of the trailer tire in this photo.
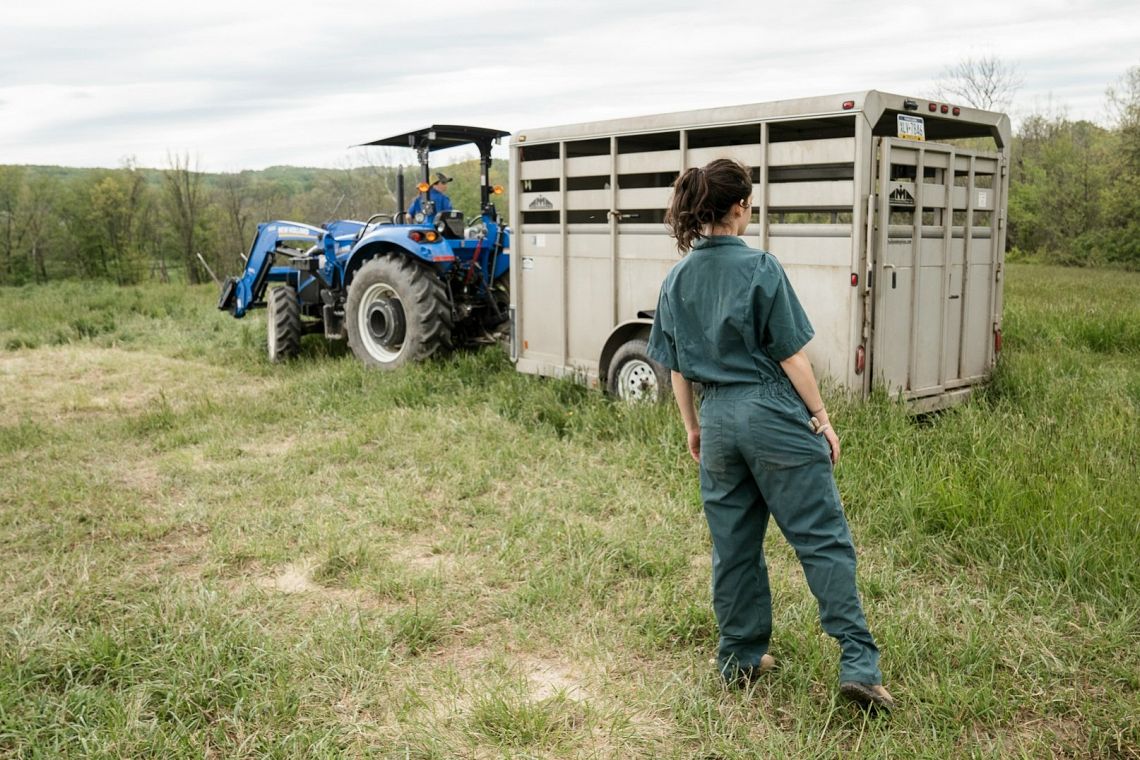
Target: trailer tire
(283, 324)
(397, 312)
(634, 377)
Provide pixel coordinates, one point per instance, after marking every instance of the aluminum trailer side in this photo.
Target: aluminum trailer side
(887, 212)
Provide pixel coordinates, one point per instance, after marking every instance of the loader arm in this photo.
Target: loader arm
(239, 294)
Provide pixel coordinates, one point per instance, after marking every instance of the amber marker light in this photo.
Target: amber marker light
(423, 187)
(497, 190)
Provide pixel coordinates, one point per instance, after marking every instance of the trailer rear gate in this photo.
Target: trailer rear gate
(836, 198)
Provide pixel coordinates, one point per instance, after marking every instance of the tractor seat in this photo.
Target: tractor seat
(450, 224)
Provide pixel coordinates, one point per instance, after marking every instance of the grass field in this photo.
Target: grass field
(204, 555)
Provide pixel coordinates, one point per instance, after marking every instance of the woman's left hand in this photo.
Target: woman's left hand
(833, 442)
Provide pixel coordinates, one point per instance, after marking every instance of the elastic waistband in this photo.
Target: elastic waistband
(746, 390)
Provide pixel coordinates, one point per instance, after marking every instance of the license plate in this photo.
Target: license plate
(911, 128)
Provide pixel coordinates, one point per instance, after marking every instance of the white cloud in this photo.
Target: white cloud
(249, 84)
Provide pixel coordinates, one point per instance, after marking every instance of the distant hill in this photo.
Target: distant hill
(298, 180)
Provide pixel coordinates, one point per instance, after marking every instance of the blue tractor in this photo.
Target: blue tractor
(399, 289)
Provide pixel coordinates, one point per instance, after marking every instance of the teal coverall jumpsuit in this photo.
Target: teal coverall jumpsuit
(726, 317)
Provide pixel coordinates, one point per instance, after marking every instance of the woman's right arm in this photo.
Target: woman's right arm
(683, 392)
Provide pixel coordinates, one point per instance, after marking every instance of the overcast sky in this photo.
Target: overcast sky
(246, 84)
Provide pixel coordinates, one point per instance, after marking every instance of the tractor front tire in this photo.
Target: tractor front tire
(283, 324)
(634, 377)
(397, 312)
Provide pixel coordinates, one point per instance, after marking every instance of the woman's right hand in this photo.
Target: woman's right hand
(694, 436)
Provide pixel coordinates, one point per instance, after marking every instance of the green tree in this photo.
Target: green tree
(116, 225)
(38, 211)
(184, 199)
(1060, 176)
(11, 230)
(1119, 241)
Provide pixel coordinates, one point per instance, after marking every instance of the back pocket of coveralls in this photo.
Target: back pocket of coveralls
(715, 440)
(781, 434)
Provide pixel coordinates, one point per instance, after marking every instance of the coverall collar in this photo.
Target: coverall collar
(715, 240)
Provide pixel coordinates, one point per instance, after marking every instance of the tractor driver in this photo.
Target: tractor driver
(437, 194)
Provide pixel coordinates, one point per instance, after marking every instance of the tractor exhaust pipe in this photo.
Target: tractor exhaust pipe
(400, 207)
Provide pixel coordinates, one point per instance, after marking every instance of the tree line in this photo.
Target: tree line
(1075, 186)
(133, 224)
(1074, 198)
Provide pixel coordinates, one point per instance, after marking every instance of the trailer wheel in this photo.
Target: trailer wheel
(283, 324)
(634, 377)
(397, 312)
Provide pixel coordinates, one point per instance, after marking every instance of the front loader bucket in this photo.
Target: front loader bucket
(226, 300)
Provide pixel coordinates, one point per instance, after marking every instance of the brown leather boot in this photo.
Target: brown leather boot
(869, 696)
(748, 675)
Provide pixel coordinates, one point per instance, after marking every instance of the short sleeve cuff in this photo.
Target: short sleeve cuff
(786, 348)
(663, 357)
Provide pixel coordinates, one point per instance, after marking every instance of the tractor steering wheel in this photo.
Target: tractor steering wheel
(375, 219)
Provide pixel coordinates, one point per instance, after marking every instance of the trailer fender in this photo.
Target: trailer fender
(623, 333)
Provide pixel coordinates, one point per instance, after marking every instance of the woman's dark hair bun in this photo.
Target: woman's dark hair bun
(703, 197)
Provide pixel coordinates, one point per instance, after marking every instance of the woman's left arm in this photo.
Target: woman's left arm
(799, 371)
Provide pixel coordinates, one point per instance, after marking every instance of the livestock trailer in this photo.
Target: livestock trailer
(887, 212)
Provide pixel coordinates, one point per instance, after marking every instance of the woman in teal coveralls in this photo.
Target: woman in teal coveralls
(727, 317)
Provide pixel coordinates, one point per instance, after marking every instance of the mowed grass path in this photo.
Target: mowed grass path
(202, 554)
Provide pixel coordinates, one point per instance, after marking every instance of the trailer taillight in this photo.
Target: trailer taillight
(860, 360)
(997, 340)
(854, 280)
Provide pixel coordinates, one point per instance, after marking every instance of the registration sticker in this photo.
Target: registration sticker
(911, 128)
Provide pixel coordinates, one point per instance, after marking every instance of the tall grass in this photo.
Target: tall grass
(208, 555)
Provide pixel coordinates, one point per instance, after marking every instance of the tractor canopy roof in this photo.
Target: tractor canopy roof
(441, 136)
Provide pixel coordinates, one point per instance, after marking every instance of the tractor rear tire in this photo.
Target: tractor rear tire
(397, 312)
(634, 377)
(283, 324)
